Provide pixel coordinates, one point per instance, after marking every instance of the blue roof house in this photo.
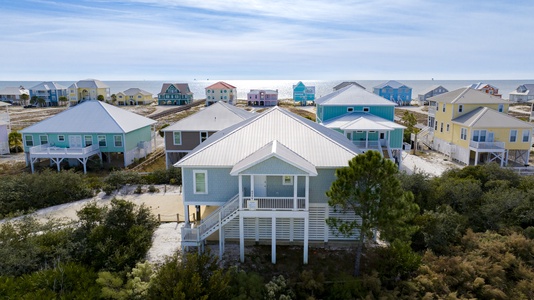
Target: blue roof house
(266, 185)
(302, 94)
(394, 91)
(366, 119)
(50, 92)
(88, 129)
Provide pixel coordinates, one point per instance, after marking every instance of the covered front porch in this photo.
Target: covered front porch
(488, 152)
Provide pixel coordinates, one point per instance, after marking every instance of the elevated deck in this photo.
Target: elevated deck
(58, 154)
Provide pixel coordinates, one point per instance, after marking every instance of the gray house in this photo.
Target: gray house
(430, 92)
(184, 135)
(265, 179)
(523, 93)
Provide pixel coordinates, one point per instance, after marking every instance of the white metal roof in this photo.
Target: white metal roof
(90, 84)
(467, 95)
(278, 150)
(361, 121)
(484, 117)
(135, 91)
(215, 117)
(13, 90)
(353, 95)
(315, 143)
(48, 85)
(91, 117)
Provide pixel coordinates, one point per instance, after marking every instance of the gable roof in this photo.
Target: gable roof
(361, 121)
(48, 85)
(221, 85)
(392, 84)
(345, 83)
(215, 117)
(135, 91)
(467, 95)
(182, 87)
(91, 117)
(528, 87)
(430, 89)
(320, 146)
(278, 150)
(89, 84)
(484, 117)
(353, 95)
(13, 90)
(481, 85)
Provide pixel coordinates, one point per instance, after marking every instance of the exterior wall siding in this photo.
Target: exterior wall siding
(396, 138)
(53, 139)
(221, 186)
(190, 139)
(273, 165)
(136, 136)
(329, 112)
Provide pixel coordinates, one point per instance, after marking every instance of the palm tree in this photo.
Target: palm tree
(63, 100)
(41, 102)
(15, 140)
(24, 98)
(33, 100)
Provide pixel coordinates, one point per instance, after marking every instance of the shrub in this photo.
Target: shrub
(138, 190)
(152, 189)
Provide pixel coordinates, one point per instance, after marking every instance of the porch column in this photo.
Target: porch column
(240, 192)
(366, 139)
(241, 239)
(306, 229)
(295, 202)
(273, 240)
(251, 187)
(186, 212)
(476, 157)
(307, 193)
(167, 160)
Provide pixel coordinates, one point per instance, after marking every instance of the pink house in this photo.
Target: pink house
(262, 98)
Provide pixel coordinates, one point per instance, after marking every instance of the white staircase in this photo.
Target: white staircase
(221, 216)
(425, 136)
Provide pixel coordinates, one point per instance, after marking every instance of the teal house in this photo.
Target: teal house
(175, 94)
(364, 118)
(302, 93)
(91, 128)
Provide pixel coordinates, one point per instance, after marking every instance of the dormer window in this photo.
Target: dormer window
(350, 109)
(366, 109)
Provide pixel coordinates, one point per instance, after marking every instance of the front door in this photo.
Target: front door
(75, 141)
(260, 185)
(383, 140)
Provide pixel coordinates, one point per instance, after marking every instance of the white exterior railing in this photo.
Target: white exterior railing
(486, 145)
(432, 110)
(370, 144)
(278, 203)
(51, 150)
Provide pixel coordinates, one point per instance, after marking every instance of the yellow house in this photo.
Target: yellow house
(88, 89)
(134, 96)
(473, 127)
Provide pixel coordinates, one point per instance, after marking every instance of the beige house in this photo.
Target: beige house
(88, 89)
(134, 96)
(221, 91)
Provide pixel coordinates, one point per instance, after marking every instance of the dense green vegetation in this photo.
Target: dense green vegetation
(474, 239)
(25, 192)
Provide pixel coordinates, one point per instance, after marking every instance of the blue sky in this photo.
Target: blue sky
(269, 39)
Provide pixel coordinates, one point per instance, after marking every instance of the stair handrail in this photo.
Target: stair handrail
(213, 219)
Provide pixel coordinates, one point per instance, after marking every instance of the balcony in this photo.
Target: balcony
(432, 110)
(274, 203)
(46, 151)
(368, 145)
(486, 145)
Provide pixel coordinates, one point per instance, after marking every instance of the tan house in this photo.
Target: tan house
(134, 96)
(88, 89)
(221, 91)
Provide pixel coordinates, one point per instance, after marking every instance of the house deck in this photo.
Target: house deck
(58, 154)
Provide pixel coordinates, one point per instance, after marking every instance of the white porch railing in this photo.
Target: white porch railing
(46, 149)
(370, 144)
(431, 110)
(486, 145)
(212, 222)
(278, 203)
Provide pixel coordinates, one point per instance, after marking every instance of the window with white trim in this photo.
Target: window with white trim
(43, 139)
(287, 180)
(88, 140)
(513, 135)
(102, 140)
(501, 107)
(117, 140)
(460, 108)
(447, 127)
(60, 138)
(463, 134)
(200, 181)
(444, 107)
(28, 140)
(526, 136)
(177, 137)
(441, 127)
(203, 136)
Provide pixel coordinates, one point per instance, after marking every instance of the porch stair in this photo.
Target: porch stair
(425, 137)
(220, 217)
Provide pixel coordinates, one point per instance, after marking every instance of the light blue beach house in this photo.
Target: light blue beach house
(366, 119)
(264, 179)
(302, 93)
(175, 94)
(88, 129)
(394, 91)
(50, 92)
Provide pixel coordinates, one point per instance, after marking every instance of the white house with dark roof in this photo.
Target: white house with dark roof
(523, 93)
(88, 129)
(264, 179)
(186, 134)
(88, 89)
(49, 91)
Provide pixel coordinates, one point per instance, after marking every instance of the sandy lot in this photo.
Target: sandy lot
(430, 162)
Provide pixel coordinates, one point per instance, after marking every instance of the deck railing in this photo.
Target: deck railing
(486, 145)
(47, 149)
(370, 144)
(278, 203)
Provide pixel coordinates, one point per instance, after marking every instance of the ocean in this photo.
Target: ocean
(285, 87)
